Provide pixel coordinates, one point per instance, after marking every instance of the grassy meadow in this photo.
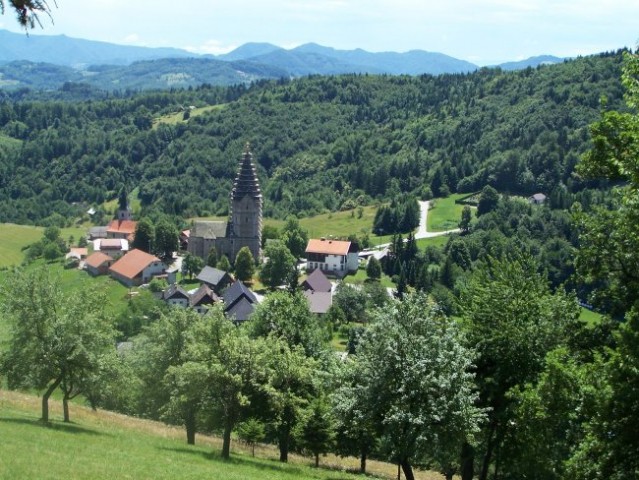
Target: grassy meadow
(105, 445)
(178, 117)
(444, 213)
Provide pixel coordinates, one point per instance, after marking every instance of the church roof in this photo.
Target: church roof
(209, 229)
(246, 182)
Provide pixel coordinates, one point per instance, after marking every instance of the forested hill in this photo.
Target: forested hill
(321, 143)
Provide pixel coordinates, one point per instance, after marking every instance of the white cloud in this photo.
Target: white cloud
(131, 38)
(213, 47)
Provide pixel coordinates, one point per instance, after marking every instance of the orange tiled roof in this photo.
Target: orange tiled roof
(82, 251)
(96, 259)
(122, 226)
(328, 247)
(130, 265)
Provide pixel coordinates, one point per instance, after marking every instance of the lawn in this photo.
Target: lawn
(104, 445)
(134, 202)
(590, 317)
(444, 213)
(13, 238)
(178, 117)
(440, 241)
(360, 277)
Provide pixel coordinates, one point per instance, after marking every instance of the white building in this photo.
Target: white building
(331, 256)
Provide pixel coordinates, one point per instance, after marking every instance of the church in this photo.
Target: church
(244, 227)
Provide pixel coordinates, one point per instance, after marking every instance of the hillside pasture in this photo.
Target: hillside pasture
(444, 213)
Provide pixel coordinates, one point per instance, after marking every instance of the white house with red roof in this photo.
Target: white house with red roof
(98, 263)
(121, 229)
(331, 256)
(137, 267)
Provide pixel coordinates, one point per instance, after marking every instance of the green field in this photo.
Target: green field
(13, 238)
(440, 241)
(444, 213)
(104, 445)
(590, 317)
(178, 117)
(134, 203)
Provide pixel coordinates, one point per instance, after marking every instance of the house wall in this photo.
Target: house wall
(352, 262)
(178, 302)
(331, 263)
(156, 268)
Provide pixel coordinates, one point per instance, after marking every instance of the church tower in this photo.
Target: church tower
(246, 208)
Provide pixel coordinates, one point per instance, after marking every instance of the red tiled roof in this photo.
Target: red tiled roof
(122, 226)
(82, 251)
(97, 259)
(328, 247)
(111, 244)
(130, 265)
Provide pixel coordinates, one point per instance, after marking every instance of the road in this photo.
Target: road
(422, 231)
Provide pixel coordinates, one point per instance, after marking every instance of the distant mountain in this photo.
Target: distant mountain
(159, 74)
(531, 62)
(249, 50)
(63, 50)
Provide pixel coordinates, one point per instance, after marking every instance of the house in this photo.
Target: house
(97, 232)
(98, 263)
(331, 256)
(175, 295)
(537, 199)
(317, 282)
(239, 302)
(318, 302)
(184, 239)
(203, 298)
(121, 229)
(216, 279)
(113, 247)
(78, 252)
(137, 267)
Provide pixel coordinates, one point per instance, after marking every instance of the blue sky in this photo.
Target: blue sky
(481, 31)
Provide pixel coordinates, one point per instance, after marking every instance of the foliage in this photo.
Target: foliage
(279, 265)
(352, 301)
(316, 434)
(252, 432)
(211, 258)
(166, 240)
(58, 340)
(294, 237)
(224, 264)
(144, 235)
(191, 265)
(373, 269)
(28, 11)
(488, 200)
(244, 265)
(401, 216)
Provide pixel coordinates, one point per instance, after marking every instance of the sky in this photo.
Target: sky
(484, 32)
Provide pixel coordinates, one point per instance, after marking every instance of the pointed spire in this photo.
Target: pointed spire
(246, 182)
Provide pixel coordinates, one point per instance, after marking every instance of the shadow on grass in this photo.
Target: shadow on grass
(257, 462)
(62, 427)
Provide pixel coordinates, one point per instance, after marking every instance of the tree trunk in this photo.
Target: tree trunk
(45, 399)
(189, 423)
(467, 462)
(284, 440)
(65, 407)
(317, 460)
(489, 452)
(226, 440)
(362, 462)
(408, 470)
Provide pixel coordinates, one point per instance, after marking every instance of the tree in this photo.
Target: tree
(294, 237)
(244, 265)
(317, 433)
(166, 239)
(464, 223)
(57, 339)
(513, 320)
(224, 264)
(278, 266)
(211, 258)
(414, 373)
(144, 235)
(252, 432)
(28, 11)
(373, 269)
(352, 301)
(488, 200)
(191, 264)
(123, 199)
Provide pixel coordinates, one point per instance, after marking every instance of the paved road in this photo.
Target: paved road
(422, 231)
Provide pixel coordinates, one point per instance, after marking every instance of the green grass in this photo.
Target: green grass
(440, 241)
(360, 277)
(445, 214)
(178, 117)
(13, 238)
(134, 202)
(101, 445)
(590, 317)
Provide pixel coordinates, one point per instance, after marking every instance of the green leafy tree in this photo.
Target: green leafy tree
(279, 265)
(373, 269)
(224, 264)
(415, 373)
(317, 434)
(252, 432)
(166, 239)
(513, 320)
(123, 198)
(211, 258)
(191, 264)
(488, 200)
(466, 218)
(352, 301)
(294, 237)
(57, 339)
(144, 235)
(244, 265)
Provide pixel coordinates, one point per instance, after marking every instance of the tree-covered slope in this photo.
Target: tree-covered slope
(321, 143)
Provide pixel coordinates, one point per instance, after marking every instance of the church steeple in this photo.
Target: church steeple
(246, 205)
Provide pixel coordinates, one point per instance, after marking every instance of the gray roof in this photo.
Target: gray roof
(318, 302)
(209, 229)
(213, 276)
(175, 291)
(317, 282)
(241, 310)
(237, 291)
(98, 232)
